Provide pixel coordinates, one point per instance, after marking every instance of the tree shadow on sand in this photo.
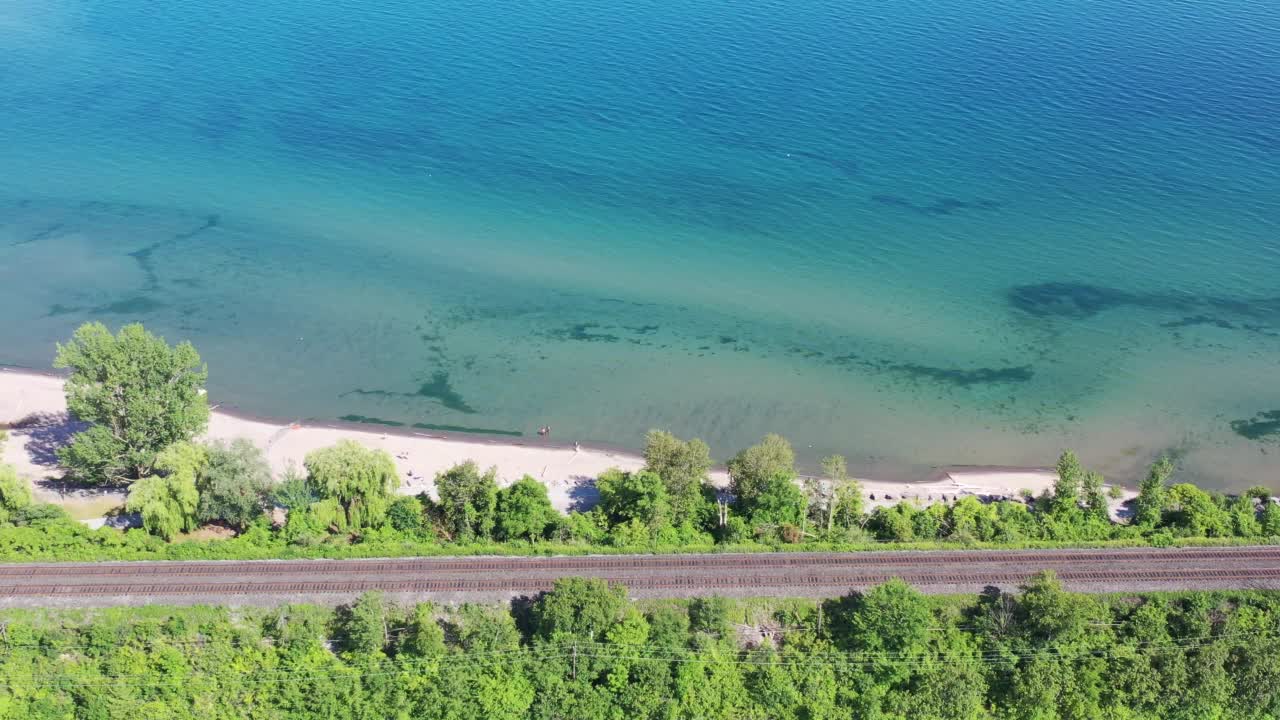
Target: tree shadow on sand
(44, 434)
(583, 493)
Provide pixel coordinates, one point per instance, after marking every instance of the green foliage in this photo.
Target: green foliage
(140, 394)
(889, 653)
(1270, 520)
(842, 499)
(894, 524)
(639, 496)
(364, 625)
(778, 501)
(361, 481)
(468, 501)
(582, 608)
(524, 511)
(709, 615)
(1195, 512)
(169, 503)
(15, 493)
(891, 619)
(1149, 506)
(586, 527)
(295, 490)
(405, 514)
(683, 467)
(1066, 488)
(424, 638)
(752, 468)
(234, 483)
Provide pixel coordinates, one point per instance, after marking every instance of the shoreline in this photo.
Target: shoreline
(568, 470)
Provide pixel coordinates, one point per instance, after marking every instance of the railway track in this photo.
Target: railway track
(1042, 558)
(519, 585)
(811, 574)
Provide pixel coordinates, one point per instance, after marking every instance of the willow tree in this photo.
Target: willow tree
(15, 494)
(361, 481)
(139, 395)
(168, 502)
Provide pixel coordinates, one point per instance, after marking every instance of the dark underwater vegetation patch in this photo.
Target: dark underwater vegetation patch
(582, 333)
(57, 309)
(44, 234)
(1198, 320)
(437, 388)
(965, 378)
(143, 255)
(1084, 300)
(465, 429)
(371, 420)
(1067, 299)
(940, 206)
(641, 329)
(137, 305)
(1260, 427)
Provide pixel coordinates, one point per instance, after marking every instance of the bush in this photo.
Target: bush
(233, 484)
(405, 514)
(524, 511)
(294, 490)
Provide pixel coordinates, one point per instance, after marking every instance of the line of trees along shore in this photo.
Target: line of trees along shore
(145, 405)
(583, 651)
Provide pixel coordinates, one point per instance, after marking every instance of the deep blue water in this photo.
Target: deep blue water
(918, 234)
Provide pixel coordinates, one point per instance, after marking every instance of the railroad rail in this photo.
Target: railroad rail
(811, 574)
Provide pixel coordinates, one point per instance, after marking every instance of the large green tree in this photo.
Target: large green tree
(683, 467)
(139, 395)
(361, 481)
(578, 608)
(753, 467)
(468, 501)
(524, 511)
(639, 496)
(234, 483)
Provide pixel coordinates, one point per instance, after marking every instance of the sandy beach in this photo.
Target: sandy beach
(34, 407)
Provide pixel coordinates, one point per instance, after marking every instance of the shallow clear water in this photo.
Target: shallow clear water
(954, 232)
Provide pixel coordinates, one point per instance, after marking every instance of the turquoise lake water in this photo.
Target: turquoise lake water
(954, 232)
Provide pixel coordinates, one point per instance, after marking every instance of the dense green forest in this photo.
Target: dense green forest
(583, 651)
(144, 403)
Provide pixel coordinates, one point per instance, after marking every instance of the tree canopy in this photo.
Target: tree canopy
(753, 467)
(139, 394)
(169, 502)
(468, 501)
(524, 511)
(639, 496)
(583, 651)
(234, 483)
(360, 480)
(683, 467)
